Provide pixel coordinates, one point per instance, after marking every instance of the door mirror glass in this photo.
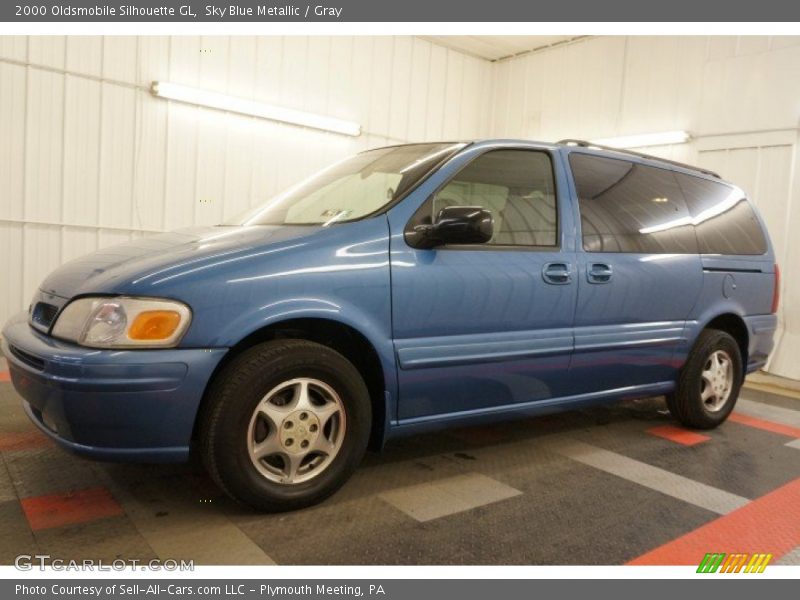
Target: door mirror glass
(456, 225)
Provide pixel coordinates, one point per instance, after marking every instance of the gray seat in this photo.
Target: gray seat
(527, 220)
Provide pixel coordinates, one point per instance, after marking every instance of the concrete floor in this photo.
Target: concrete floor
(609, 485)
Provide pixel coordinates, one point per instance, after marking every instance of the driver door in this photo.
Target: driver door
(486, 327)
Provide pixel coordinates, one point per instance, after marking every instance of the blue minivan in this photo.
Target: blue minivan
(406, 288)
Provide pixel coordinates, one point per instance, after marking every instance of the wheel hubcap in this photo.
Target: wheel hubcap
(299, 431)
(296, 431)
(717, 380)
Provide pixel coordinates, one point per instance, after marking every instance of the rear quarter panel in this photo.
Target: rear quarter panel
(741, 286)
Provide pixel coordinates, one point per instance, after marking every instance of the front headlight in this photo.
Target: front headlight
(123, 322)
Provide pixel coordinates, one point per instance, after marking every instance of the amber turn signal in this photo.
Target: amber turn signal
(154, 325)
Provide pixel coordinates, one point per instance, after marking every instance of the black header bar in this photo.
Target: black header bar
(41, 11)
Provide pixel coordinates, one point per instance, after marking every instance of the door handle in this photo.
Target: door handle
(599, 273)
(557, 273)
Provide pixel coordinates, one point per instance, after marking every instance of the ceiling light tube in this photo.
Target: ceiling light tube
(242, 106)
(643, 140)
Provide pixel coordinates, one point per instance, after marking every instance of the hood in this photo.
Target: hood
(103, 270)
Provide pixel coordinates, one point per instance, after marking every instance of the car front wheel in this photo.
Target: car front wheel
(285, 425)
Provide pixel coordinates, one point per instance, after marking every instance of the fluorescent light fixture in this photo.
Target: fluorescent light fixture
(642, 140)
(190, 95)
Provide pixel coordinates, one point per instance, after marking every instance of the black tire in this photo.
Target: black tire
(686, 404)
(232, 399)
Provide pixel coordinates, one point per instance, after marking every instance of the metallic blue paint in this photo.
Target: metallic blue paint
(625, 334)
(462, 335)
(760, 329)
(452, 307)
(111, 403)
(531, 408)
(417, 353)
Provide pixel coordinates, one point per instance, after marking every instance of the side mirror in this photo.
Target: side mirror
(456, 225)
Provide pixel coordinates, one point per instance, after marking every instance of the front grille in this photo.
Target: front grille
(43, 314)
(28, 359)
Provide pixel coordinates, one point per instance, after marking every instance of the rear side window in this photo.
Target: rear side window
(629, 207)
(724, 220)
(516, 186)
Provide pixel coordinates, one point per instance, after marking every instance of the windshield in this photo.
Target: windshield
(351, 189)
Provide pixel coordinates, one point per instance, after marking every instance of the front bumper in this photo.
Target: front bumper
(134, 405)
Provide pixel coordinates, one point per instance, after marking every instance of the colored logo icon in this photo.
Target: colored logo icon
(719, 562)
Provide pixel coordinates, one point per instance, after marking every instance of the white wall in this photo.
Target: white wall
(738, 96)
(89, 158)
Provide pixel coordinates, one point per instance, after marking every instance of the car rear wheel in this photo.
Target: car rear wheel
(286, 424)
(709, 382)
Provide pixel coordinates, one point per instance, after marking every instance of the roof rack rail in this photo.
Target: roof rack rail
(585, 144)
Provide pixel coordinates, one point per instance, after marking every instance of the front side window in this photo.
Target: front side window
(351, 189)
(724, 220)
(630, 207)
(516, 186)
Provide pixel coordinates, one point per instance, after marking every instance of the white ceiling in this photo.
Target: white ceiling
(494, 47)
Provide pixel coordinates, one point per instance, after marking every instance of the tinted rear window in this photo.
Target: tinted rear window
(724, 220)
(629, 207)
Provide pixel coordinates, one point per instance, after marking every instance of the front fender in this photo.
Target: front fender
(339, 274)
(289, 309)
(274, 313)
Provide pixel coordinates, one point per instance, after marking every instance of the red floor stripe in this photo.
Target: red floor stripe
(58, 510)
(778, 428)
(5, 376)
(770, 524)
(25, 440)
(678, 435)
